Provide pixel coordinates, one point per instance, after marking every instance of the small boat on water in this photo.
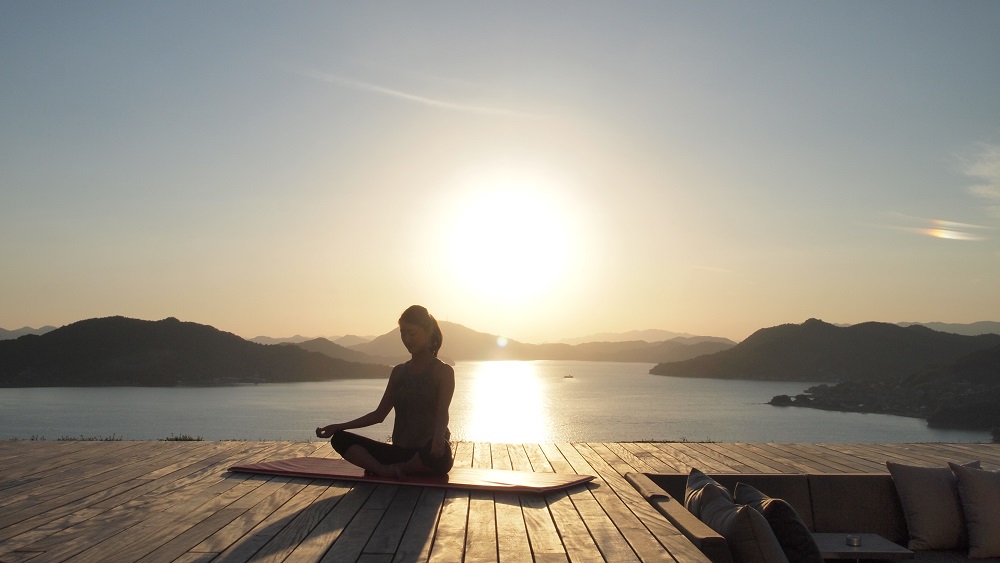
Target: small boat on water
(568, 376)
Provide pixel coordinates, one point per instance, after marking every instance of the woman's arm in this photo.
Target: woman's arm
(446, 389)
(374, 417)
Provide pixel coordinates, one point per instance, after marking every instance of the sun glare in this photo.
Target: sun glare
(509, 239)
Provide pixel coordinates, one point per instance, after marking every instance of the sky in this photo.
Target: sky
(537, 170)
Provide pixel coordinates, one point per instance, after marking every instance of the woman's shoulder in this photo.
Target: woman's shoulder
(442, 369)
(397, 371)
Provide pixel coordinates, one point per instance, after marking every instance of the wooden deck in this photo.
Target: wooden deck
(175, 501)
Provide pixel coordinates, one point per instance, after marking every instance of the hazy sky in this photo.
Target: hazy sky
(540, 170)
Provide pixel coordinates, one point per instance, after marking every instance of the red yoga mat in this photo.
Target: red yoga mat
(458, 478)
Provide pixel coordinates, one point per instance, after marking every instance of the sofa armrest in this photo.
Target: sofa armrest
(710, 542)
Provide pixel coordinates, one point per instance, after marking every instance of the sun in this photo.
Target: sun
(510, 239)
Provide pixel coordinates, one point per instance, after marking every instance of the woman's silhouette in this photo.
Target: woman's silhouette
(420, 390)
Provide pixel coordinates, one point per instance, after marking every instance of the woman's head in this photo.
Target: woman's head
(418, 316)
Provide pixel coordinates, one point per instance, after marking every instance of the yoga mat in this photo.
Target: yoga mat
(458, 478)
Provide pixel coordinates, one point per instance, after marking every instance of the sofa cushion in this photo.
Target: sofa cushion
(792, 488)
(852, 502)
(791, 532)
(979, 491)
(697, 482)
(746, 531)
(929, 496)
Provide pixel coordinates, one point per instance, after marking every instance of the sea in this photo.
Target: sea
(508, 402)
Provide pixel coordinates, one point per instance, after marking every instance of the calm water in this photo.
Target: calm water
(494, 401)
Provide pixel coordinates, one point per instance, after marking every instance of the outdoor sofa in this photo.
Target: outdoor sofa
(837, 503)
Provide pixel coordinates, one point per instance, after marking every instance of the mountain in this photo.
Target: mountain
(344, 341)
(464, 344)
(12, 334)
(286, 340)
(969, 392)
(963, 394)
(819, 351)
(334, 350)
(122, 351)
(352, 340)
(650, 335)
(968, 329)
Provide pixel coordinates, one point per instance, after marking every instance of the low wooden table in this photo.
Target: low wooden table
(873, 546)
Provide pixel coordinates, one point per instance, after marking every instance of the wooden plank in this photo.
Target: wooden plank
(785, 459)
(482, 456)
(463, 454)
(512, 535)
(42, 462)
(518, 458)
(536, 456)
(138, 541)
(658, 459)
(556, 459)
(181, 542)
(333, 525)
(281, 546)
(481, 537)
(258, 505)
(827, 459)
(449, 542)
(668, 536)
(418, 538)
(500, 456)
(351, 543)
(542, 534)
(389, 532)
(632, 508)
(606, 534)
(175, 501)
(638, 463)
(172, 530)
(167, 483)
(856, 459)
(33, 515)
(747, 460)
(709, 460)
(269, 518)
(683, 457)
(25, 539)
(358, 533)
(988, 454)
(51, 486)
(576, 538)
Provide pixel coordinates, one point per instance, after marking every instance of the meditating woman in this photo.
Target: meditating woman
(420, 390)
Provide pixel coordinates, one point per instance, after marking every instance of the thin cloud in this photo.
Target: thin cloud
(939, 228)
(414, 98)
(983, 165)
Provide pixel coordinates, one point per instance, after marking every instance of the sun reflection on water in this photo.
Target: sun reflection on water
(508, 404)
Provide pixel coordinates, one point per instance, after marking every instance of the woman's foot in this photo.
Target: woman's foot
(393, 471)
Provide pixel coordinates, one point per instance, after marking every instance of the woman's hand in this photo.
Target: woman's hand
(326, 431)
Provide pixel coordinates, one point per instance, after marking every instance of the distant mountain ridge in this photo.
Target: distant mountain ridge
(348, 340)
(12, 334)
(464, 344)
(968, 329)
(951, 380)
(334, 350)
(123, 351)
(648, 335)
(819, 351)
